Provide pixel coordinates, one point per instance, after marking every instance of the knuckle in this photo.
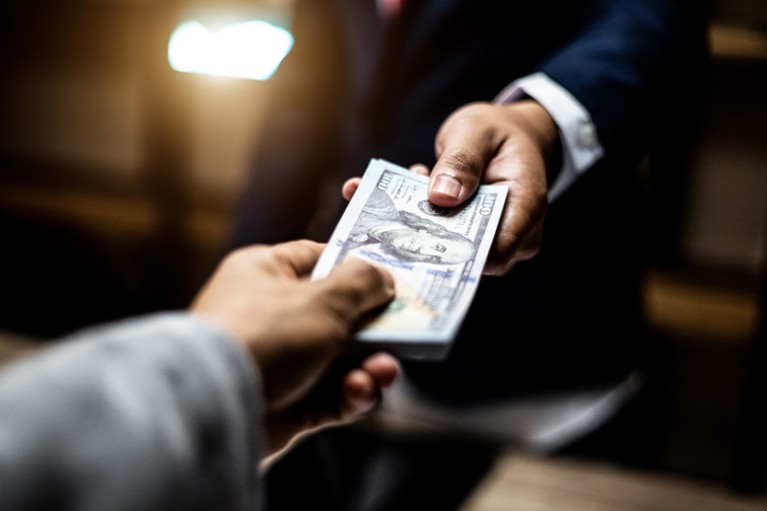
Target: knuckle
(461, 158)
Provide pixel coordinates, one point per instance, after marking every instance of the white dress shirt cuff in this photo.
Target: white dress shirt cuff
(580, 144)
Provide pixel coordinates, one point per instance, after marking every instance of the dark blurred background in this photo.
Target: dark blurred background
(119, 177)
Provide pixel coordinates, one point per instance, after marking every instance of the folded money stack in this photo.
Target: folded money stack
(435, 255)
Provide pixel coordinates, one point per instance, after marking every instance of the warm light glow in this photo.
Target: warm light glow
(250, 49)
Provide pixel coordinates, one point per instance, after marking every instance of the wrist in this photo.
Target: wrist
(544, 132)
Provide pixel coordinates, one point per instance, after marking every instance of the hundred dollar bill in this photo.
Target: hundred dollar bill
(435, 255)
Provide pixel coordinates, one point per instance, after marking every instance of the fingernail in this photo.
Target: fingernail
(447, 185)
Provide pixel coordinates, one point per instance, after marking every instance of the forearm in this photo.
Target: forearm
(156, 413)
(607, 87)
(624, 60)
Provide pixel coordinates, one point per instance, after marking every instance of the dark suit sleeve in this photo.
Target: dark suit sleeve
(151, 414)
(634, 64)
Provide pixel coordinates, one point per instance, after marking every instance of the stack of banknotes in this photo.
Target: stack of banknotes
(435, 255)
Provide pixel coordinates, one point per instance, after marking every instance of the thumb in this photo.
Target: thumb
(363, 286)
(464, 145)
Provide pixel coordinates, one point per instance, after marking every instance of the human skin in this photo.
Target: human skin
(295, 329)
(485, 143)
